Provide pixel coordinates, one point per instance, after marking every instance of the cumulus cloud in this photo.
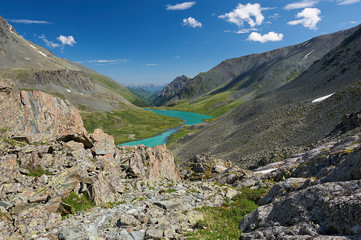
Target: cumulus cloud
(250, 13)
(301, 4)
(109, 61)
(48, 43)
(28, 21)
(347, 2)
(69, 40)
(309, 17)
(181, 6)
(191, 22)
(269, 37)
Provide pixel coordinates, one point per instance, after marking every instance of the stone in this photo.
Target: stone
(153, 233)
(283, 188)
(154, 164)
(194, 217)
(230, 193)
(103, 143)
(166, 205)
(218, 169)
(27, 113)
(334, 206)
(127, 220)
(5, 204)
(138, 235)
(35, 220)
(38, 199)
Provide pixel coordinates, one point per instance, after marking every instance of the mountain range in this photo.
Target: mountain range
(277, 122)
(238, 80)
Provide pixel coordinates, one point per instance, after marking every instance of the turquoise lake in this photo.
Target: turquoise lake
(188, 117)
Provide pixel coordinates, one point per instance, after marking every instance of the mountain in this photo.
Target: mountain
(146, 92)
(30, 66)
(241, 79)
(170, 91)
(284, 121)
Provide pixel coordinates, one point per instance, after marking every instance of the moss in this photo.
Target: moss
(13, 142)
(78, 203)
(38, 171)
(170, 190)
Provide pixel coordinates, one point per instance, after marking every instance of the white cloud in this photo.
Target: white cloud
(69, 40)
(191, 22)
(269, 37)
(109, 61)
(250, 13)
(48, 43)
(27, 21)
(151, 64)
(244, 30)
(301, 4)
(275, 16)
(347, 2)
(309, 18)
(181, 6)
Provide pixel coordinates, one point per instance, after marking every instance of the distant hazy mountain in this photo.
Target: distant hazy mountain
(146, 92)
(249, 76)
(278, 123)
(30, 66)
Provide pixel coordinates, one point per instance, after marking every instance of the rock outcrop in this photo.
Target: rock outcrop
(318, 195)
(153, 164)
(46, 156)
(23, 114)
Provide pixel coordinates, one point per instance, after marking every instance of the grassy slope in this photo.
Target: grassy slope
(122, 125)
(213, 105)
(112, 85)
(221, 223)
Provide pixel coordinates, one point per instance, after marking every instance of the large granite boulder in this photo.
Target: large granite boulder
(152, 164)
(23, 114)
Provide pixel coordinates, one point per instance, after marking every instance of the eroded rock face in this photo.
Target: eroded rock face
(319, 198)
(153, 164)
(327, 209)
(103, 143)
(23, 114)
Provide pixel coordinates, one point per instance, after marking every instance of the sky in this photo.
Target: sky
(153, 41)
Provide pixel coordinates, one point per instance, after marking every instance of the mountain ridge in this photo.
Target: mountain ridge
(30, 66)
(281, 122)
(254, 74)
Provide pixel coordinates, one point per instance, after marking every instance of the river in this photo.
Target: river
(188, 117)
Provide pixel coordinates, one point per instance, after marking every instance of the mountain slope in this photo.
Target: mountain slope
(247, 77)
(30, 66)
(278, 123)
(169, 91)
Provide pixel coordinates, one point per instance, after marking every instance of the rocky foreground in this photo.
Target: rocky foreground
(48, 160)
(50, 168)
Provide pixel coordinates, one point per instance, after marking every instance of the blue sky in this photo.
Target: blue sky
(153, 41)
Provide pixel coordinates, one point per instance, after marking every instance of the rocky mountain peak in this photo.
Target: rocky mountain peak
(5, 26)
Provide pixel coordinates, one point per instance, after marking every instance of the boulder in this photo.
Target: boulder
(150, 163)
(332, 208)
(27, 113)
(103, 143)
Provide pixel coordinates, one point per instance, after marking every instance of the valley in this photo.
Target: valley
(261, 146)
